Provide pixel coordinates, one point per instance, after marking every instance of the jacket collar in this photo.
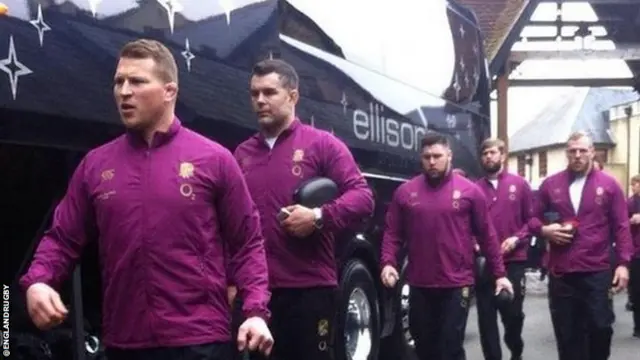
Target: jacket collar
(295, 125)
(159, 138)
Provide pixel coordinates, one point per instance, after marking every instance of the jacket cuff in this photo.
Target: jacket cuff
(624, 263)
(500, 274)
(264, 314)
(326, 218)
(34, 276)
(389, 262)
(535, 227)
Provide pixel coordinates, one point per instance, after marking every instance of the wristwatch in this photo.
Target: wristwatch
(318, 217)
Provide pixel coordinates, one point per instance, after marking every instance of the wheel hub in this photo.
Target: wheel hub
(357, 329)
(404, 314)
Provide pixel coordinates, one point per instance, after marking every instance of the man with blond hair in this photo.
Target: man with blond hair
(590, 209)
(510, 209)
(163, 203)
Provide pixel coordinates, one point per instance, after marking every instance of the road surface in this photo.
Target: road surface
(538, 333)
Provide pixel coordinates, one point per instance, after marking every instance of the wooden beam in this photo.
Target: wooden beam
(548, 39)
(595, 82)
(594, 2)
(599, 22)
(503, 113)
(622, 52)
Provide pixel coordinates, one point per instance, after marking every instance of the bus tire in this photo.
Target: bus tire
(399, 344)
(357, 336)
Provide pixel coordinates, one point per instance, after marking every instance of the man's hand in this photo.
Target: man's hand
(556, 234)
(476, 248)
(301, 222)
(254, 335)
(509, 244)
(45, 306)
(620, 278)
(503, 284)
(635, 219)
(389, 276)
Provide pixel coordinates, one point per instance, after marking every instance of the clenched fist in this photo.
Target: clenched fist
(45, 306)
(389, 276)
(254, 335)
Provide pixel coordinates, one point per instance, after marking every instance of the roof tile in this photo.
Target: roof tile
(496, 18)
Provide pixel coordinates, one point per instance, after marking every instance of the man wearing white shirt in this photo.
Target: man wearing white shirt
(591, 209)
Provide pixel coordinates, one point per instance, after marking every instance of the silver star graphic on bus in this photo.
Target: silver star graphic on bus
(171, 7)
(40, 25)
(344, 103)
(93, 5)
(452, 121)
(227, 6)
(187, 54)
(476, 75)
(456, 86)
(13, 68)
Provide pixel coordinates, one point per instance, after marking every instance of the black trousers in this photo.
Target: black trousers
(634, 293)
(438, 320)
(302, 323)
(511, 314)
(214, 351)
(581, 307)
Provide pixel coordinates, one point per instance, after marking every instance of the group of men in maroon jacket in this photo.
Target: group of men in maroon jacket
(179, 218)
(582, 212)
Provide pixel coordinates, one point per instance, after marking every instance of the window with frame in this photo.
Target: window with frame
(522, 162)
(542, 164)
(602, 156)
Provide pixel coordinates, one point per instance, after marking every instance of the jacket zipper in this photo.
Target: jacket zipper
(145, 242)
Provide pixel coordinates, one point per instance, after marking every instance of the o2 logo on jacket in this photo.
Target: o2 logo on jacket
(298, 156)
(186, 171)
(456, 199)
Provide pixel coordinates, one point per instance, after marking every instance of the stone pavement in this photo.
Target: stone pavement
(538, 333)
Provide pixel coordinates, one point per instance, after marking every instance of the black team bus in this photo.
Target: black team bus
(378, 74)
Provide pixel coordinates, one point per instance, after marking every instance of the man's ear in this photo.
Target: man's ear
(294, 95)
(170, 91)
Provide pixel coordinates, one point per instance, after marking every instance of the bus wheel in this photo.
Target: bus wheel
(358, 332)
(400, 344)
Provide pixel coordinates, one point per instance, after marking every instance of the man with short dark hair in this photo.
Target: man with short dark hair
(634, 286)
(164, 203)
(437, 214)
(589, 208)
(510, 209)
(300, 242)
